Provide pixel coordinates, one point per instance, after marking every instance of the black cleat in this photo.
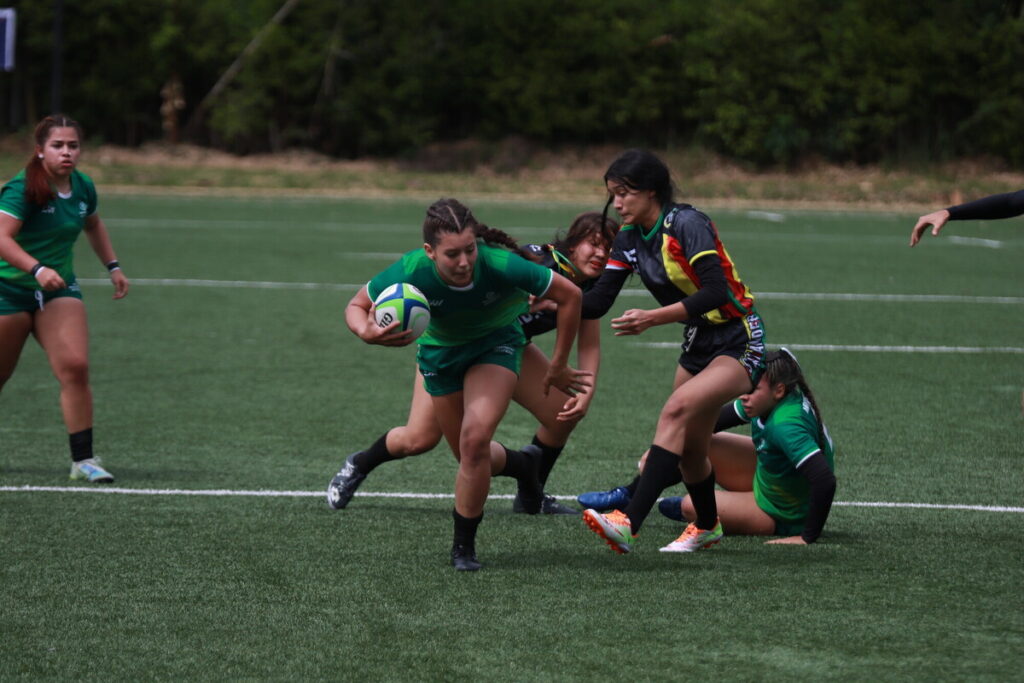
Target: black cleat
(549, 505)
(464, 558)
(344, 484)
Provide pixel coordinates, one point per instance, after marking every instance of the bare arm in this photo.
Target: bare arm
(11, 251)
(569, 300)
(588, 354)
(359, 316)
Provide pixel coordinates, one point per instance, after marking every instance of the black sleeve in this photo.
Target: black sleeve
(995, 206)
(823, 489)
(599, 298)
(729, 418)
(713, 292)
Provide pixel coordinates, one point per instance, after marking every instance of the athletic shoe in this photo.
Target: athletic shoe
(614, 528)
(603, 501)
(464, 558)
(549, 505)
(695, 539)
(344, 484)
(672, 508)
(90, 470)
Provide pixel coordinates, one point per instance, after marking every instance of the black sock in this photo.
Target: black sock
(465, 529)
(702, 495)
(631, 486)
(377, 454)
(518, 465)
(662, 467)
(81, 445)
(548, 456)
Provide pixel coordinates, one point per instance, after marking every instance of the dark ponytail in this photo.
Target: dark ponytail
(450, 215)
(38, 188)
(781, 367)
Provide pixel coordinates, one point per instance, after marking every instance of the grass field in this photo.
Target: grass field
(228, 373)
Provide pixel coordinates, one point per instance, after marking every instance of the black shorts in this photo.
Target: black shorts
(741, 338)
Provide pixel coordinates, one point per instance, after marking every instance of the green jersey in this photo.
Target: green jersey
(499, 293)
(48, 232)
(783, 441)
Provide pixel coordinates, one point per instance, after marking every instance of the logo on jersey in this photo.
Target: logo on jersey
(489, 298)
(630, 256)
(436, 303)
(504, 349)
(82, 209)
(49, 208)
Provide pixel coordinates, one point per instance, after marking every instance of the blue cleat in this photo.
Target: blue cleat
(91, 471)
(672, 508)
(603, 501)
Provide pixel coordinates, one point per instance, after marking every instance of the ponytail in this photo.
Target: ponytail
(781, 367)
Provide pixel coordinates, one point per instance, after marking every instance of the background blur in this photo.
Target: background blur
(763, 82)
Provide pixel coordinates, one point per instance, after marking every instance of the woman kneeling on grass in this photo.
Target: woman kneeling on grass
(471, 352)
(780, 480)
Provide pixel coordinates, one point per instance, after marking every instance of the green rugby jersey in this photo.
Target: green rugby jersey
(48, 232)
(499, 293)
(783, 442)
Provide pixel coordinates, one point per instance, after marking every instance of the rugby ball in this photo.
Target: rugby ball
(406, 304)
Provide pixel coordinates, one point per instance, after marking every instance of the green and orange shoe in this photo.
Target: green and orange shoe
(694, 539)
(613, 527)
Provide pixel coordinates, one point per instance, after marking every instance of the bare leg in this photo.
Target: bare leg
(63, 332)
(738, 513)
(14, 330)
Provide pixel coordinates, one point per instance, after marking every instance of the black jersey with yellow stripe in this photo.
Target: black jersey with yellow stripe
(664, 255)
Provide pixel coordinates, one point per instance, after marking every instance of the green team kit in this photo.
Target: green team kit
(784, 440)
(48, 233)
(472, 324)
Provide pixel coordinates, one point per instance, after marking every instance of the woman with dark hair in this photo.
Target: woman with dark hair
(677, 252)
(579, 255)
(780, 480)
(43, 210)
(471, 353)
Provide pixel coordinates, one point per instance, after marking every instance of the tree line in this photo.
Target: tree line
(770, 82)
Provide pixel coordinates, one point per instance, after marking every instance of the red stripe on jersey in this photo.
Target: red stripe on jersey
(737, 290)
(618, 265)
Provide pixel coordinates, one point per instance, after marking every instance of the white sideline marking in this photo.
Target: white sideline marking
(975, 242)
(867, 348)
(783, 296)
(263, 493)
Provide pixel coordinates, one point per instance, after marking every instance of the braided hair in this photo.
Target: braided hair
(451, 215)
(781, 367)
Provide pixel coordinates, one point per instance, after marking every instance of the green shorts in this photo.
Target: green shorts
(444, 367)
(15, 299)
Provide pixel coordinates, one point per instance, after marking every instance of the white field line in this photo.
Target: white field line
(865, 348)
(263, 493)
(783, 296)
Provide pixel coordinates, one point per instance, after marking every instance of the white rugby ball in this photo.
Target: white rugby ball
(406, 304)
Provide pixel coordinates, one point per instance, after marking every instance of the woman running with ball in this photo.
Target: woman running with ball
(580, 255)
(471, 352)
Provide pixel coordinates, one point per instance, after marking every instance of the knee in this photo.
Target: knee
(416, 444)
(73, 372)
(676, 410)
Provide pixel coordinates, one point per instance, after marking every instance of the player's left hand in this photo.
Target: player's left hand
(634, 321)
(120, 284)
(576, 407)
(788, 540)
(567, 379)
